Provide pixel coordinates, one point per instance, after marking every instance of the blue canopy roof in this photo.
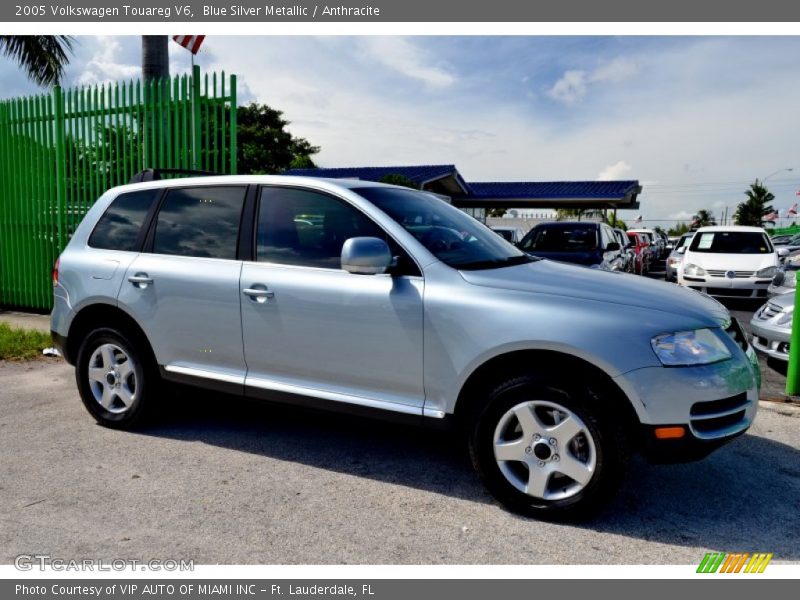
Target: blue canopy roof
(517, 194)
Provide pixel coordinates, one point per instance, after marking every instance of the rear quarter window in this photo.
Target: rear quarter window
(120, 225)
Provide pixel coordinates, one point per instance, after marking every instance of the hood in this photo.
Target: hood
(783, 300)
(734, 262)
(559, 279)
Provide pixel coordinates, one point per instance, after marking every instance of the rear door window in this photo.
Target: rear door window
(120, 225)
(201, 222)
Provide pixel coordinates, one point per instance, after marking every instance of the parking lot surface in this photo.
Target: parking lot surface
(220, 480)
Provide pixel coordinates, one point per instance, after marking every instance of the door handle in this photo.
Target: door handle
(259, 295)
(140, 280)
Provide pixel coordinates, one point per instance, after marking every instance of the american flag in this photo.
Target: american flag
(771, 216)
(190, 42)
(792, 212)
(638, 220)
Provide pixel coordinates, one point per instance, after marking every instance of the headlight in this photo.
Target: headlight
(673, 261)
(790, 278)
(768, 272)
(699, 347)
(786, 316)
(694, 271)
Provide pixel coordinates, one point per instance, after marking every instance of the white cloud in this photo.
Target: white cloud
(615, 171)
(408, 59)
(681, 216)
(570, 88)
(106, 65)
(574, 84)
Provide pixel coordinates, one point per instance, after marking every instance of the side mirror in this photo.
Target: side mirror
(682, 250)
(612, 247)
(366, 256)
(783, 252)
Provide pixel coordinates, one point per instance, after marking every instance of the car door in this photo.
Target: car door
(183, 289)
(313, 329)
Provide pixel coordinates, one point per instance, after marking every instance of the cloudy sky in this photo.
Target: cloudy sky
(694, 119)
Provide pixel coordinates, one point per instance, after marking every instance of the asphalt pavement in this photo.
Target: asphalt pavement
(223, 481)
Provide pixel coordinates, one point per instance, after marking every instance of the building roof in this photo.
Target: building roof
(508, 194)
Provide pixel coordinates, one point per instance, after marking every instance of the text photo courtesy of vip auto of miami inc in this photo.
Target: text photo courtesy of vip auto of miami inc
(399, 300)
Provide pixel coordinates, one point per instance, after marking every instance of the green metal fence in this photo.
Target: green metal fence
(59, 152)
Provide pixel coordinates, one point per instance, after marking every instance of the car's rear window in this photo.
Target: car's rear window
(561, 238)
(118, 228)
(731, 242)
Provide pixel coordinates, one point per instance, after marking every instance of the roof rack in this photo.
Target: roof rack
(156, 174)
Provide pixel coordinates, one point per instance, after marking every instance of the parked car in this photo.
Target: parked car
(397, 304)
(676, 256)
(656, 244)
(628, 252)
(771, 326)
(641, 248)
(729, 261)
(785, 279)
(583, 243)
(780, 240)
(513, 235)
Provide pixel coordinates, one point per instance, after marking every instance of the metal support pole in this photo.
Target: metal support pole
(793, 372)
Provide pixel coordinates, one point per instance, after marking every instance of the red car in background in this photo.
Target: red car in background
(641, 247)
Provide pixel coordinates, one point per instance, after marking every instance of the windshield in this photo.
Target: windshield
(683, 241)
(731, 242)
(451, 235)
(560, 237)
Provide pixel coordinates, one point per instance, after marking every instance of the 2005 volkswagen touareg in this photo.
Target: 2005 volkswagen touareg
(375, 298)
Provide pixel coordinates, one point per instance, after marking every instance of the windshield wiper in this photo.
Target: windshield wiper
(497, 263)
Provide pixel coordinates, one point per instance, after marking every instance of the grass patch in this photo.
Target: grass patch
(22, 344)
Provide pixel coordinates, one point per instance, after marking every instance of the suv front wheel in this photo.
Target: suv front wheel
(115, 378)
(545, 448)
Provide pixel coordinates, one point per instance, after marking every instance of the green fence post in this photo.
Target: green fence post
(793, 372)
(61, 184)
(196, 117)
(233, 126)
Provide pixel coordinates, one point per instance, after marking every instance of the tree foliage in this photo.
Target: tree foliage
(753, 210)
(264, 146)
(42, 57)
(703, 218)
(678, 230)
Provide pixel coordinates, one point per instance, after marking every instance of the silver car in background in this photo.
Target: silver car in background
(675, 257)
(381, 300)
(771, 326)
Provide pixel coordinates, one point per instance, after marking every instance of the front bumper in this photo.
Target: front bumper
(712, 403)
(770, 339)
(744, 287)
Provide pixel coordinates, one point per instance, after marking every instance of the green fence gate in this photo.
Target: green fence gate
(59, 153)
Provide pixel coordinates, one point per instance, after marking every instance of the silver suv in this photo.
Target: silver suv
(384, 300)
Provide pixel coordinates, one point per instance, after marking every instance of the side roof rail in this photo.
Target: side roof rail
(157, 174)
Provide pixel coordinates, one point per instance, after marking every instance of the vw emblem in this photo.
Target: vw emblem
(730, 274)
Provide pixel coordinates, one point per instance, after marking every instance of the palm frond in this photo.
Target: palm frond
(43, 57)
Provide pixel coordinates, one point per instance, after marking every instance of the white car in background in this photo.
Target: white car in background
(729, 262)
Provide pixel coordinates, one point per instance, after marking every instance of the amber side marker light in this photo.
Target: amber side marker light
(670, 433)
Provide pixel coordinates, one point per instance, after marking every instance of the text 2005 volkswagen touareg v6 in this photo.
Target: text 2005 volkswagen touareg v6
(374, 298)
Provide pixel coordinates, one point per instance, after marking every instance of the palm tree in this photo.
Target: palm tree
(753, 210)
(43, 57)
(703, 218)
(155, 57)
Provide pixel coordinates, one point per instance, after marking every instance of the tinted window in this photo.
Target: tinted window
(202, 221)
(506, 234)
(451, 235)
(118, 228)
(731, 242)
(568, 237)
(305, 228)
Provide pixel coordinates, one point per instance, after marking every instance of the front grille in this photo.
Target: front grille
(737, 274)
(715, 291)
(719, 416)
(717, 406)
(769, 311)
(735, 331)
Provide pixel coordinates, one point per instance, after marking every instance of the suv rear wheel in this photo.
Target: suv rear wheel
(544, 449)
(116, 378)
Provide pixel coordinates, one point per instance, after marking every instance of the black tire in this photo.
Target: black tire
(143, 385)
(603, 425)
